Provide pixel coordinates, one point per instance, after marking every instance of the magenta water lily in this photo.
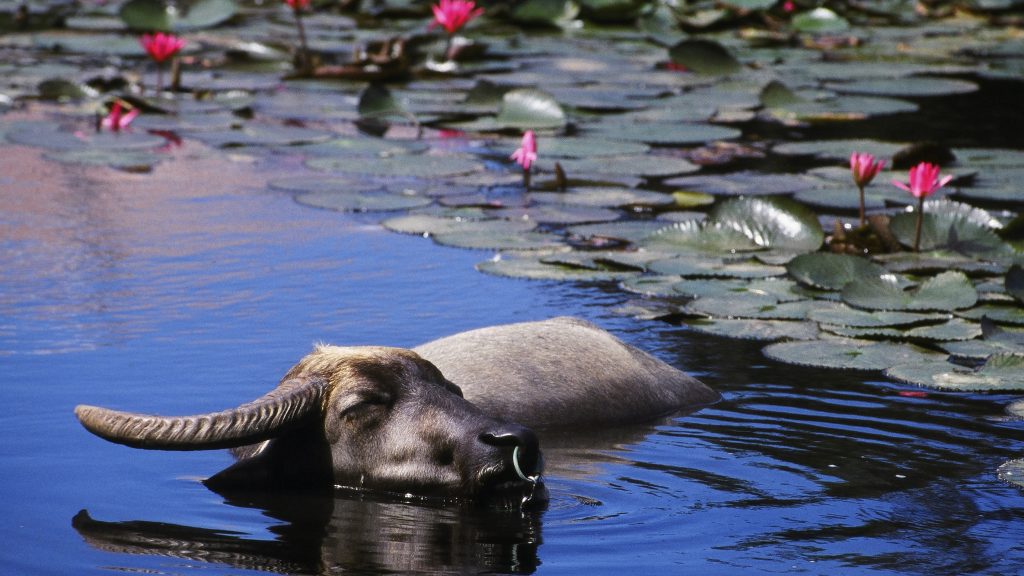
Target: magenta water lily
(864, 168)
(526, 155)
(452, 15)
(161, 46)
(924, 181)
(117, 119)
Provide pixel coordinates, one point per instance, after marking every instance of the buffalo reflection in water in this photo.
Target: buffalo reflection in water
(369, 532)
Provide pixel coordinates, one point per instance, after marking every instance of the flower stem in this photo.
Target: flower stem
(920, 219)
(861, 188)
(304, 63)
(526, 180)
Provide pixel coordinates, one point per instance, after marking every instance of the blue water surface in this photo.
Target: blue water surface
(193, 290)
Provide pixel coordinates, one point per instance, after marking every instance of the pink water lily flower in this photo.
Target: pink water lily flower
(452, 15)
(526, 155)
(864, 169)
(924, 181)
(117, 119)
(297, 4)
(161, 46)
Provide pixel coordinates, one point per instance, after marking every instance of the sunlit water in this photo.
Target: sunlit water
(191, 290)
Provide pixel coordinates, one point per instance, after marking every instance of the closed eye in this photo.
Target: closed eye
(362, 404)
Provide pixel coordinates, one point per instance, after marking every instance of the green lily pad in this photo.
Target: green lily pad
(630, 231)
(651, 286)
(913, 86)
(149, 15)
(947, 291)
(128, 160)
(700, 238)
(820, 21)
(262, 135)
(831, 271)
(933, 262)
(841, 109)
(689, 266)
(365, 147)
(489, 235)
(643, 165)
(412, 166)
(1000, 314)
(686, 199)
(849, 354)
(54, 137)
(705, 57)
(677, 134)
(1012, 472)
(763, 330)
(544, 12)
(362, 201)
(377, 103)
(531, 267)
(951, 226)
(604, 197)
(1000, 373)
(844, 316)
(838, 150)
(776, 223)
(744, 184)
(430, 225)
(573, 147)
(952, 330)
(530, 109)
(751, 305)
(558, 214)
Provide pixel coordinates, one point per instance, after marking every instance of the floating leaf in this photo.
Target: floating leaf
(362, 201)
(630, 231)
(531, 267)
(1015, 282)
(377, 104)
(831, 271)
(414, 166)
(837, 149)
(777, 223)
(690, 266)
(849, 354)
(605, 196)
(572, 147)
(700, 237)
(644, 166)
(530, 109)
(149, 15)
(428, 225)
(947, 291)
(820, 21)
(675, 134)
(751, 305)
(955, 329)
(652, 286)
(704, 57)
(844, 316)
(744, 184)
(950, 226)
(1000, 373)
(915, 86)
(998, 314)
(764, 330)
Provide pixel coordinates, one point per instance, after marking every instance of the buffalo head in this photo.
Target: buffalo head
(363, 417)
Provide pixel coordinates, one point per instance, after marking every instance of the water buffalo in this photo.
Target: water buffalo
(447, 418)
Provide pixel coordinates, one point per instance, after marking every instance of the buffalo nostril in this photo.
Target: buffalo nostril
(525, 451)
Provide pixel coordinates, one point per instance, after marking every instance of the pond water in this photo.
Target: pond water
(153, 293)
(195, 285)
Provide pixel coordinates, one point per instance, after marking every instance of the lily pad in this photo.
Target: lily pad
(751, 305)
(677, 134)
(952, 330)
(913, 86)
(777, 223)
(700, 237)
(1000, 314)
(531, 267)
(744, 184)
(1000, 373)
(820, 21)
(705, 57)
(947, 291)
(838, 150)
(630, 231)
(849, 354)
(573, 147)
(604, 197)
(1012, 472)
(689, 266)
(950, 226)
(642, 165)
(831, 271)
(429, 225)
(763, 330)
(412, 166)
(1015, 282)
(844, 316)
(362, 201)
(149, 15)
(530, 109)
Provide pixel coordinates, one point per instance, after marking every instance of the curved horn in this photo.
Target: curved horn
(261, 419)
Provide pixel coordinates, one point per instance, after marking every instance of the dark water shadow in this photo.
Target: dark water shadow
(372, 533)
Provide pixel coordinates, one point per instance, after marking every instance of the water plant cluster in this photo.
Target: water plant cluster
(668, 148)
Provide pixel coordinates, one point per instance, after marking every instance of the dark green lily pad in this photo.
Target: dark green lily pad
(851, 317)
(913, 86)
(365, 147)
(412, 166)
(947, 291)
(430, 225)
(54, 137)
(340, 184)
(1000, 373)
(841, 109)
(149, 15)
(651, 286)
(378, 104)
(952, 330)
(488, 235)
(763, 330)
(831, 271)
(573, 147)
(776, 223)
(129, 160)
(849, 354)
(979, 350)
(689, 266)
(1015, 282)
(262, 135)
(362, 201)
(744, 184)
(558, 214)
(933, 262)
(705, 57)
(530, 109)
(1012, 472)
(1013, 315)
